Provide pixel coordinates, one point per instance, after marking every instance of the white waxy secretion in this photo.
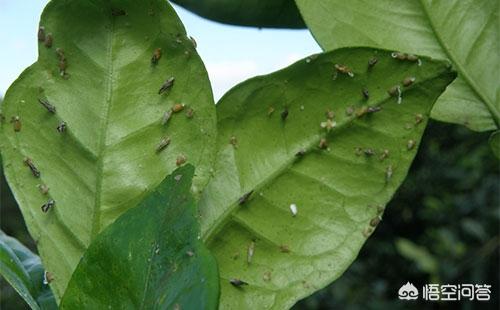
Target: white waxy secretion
(293, 209)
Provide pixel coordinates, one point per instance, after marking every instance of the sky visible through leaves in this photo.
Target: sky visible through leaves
(231, 54)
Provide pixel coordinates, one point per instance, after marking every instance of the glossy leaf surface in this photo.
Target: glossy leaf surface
(107, 157)
(270, 132)
(151, 257)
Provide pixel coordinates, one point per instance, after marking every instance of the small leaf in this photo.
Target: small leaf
(463, 31)
(418, 254)
(24, 271)
(495, 143)
(256, 13)
(294, 198)
(151, 257)
(104, 160)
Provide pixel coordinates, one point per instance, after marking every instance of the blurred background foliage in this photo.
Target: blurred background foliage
(441, 227)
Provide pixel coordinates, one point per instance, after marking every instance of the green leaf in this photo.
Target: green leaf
(151, 257)
(24, 271)
(495, 143)
(339, 191)
(256, 13)
(464, 31)
(106, 161)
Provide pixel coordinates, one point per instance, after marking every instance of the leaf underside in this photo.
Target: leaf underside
(339, 191)
(255, 13)
(151, 257)
(24, 271)
(464, 31)
(106, 161)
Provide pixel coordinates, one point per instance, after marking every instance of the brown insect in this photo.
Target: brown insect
(399, 55)
(367, 232)
(41, 34)
(330, 114)
(323, 144)
(384, 155)
(408, 81)
(48, 40)
(237, 283)
(189, 113)
(375, 221)
(411, 57)
(243, 199)
(233, 141)
(47, 278)
(16, 123)
(181, 159)
(49, 205)
(418, 118)
(195, 45)
(163, 144)
(178, 107)
(156, 56)
(344, 69)
(62, 127)
(63, 65)
(46, 104)
(28, 162)
(284, 249)
(169, 83)
(44, 189)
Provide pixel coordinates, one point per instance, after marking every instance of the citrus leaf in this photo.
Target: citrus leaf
(465, 32)
(256, 13)
(107, 156)
(303, 206)
(24, 271)
(151, 257)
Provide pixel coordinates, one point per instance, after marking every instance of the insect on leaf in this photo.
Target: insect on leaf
(463, 31)
(100, 81)
(320, 178)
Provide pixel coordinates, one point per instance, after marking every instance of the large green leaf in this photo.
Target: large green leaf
(256, 13)
(24, 271)
(464, 31)
(107, 159)
(151, 257)
(339, 191)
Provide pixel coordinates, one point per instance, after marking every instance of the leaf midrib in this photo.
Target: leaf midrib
(96, 221)
(463, 73)
(227, 215)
